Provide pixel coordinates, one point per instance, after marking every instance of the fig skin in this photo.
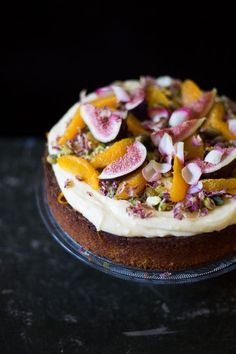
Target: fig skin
(141, 111)
(224, 172)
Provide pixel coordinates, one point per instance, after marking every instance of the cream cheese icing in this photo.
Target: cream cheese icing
(110, 215)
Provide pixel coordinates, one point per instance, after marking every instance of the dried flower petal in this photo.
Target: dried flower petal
(191, 173)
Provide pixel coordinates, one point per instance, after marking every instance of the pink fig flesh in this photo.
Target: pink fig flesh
(179, 132)
(103, 123)
(227, 163)
(133, 159)
(202, 106)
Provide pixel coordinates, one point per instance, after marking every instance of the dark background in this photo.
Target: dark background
(50, 52)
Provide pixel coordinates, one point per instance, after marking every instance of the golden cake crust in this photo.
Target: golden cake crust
(160, 253)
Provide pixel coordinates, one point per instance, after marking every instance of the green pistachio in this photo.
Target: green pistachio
(65, 150)
(209, 203)
(164, 206)
(150, 192)
(52, 159)
(132, 201)
(159, 189)
(99, 148)
(218, 200)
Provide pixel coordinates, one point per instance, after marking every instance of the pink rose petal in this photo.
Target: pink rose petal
(214, 157)
(103, 91)
(120, 93)
(232, 125)
(152, 172)
(166, 147)
(195, 188)
(196, 140)
(179, 116)
(158, 113)
(135, 100)
(179, 150)
(191, 173)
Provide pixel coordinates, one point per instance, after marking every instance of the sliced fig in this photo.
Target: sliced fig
(136, 98)
(179, 132)
(135, 156)
(202, 106)
(103, 123)
(222, 169)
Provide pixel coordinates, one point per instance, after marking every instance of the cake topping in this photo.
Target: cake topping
(134, 158)
(179, 132)
(191, 173)
(103, 123)
(216, 159)
(152, 172)
(180, 115)
(158, 113)
(160, 144)
(232, 125)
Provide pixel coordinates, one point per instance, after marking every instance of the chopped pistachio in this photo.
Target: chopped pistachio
(65, 150)
(218, 200)
(164, 206)
(159, 189)
(52, 159)
(99, 148)
(132, 201)
(150, 192)
(209, 203)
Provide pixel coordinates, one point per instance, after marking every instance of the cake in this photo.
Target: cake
(142, 172)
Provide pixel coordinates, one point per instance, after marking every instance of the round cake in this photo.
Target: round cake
(142, 172)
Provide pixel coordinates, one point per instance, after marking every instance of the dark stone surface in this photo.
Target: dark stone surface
(51, 303)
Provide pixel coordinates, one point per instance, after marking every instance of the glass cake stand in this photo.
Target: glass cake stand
(118, 270)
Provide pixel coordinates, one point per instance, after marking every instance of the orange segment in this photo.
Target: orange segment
(155, 96)
(106, 101)
(80, 167)
(179, 186)
(73, 127)
(131, 186)
(77, 122)
(215, 185)
(191, 150)
(215, 121)
(134, 126)
(190, 92)
(112, 153)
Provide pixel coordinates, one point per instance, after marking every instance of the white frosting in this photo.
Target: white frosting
(110, 215)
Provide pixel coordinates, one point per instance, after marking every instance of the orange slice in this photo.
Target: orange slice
(191, 150)
(135, 184)
(134, 126)
(114, 152)
(77, 122)
(215, 185)
(155, 96)
(215, 121)
(81, 168)
(190, 92)
(179, 187)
